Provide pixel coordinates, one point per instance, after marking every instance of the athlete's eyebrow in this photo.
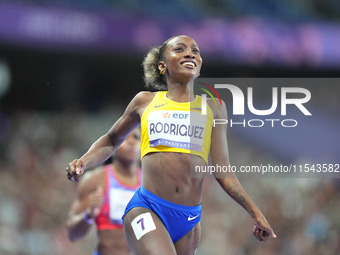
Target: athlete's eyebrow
(183, 44)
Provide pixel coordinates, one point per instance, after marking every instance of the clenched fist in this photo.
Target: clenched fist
(75, 169)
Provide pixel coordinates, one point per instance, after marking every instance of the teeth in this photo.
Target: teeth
(189, 64)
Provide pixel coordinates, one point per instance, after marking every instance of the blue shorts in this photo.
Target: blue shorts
(178, 219)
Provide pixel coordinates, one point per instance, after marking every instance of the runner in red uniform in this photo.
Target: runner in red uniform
(102, 197)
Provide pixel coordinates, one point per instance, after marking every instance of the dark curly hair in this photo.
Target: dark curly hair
(154, 81)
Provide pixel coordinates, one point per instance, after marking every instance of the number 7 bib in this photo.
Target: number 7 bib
(143, 224)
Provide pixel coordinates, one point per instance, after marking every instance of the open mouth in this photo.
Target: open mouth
(189, 64)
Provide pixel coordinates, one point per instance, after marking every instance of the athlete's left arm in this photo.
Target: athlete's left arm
(228, 180)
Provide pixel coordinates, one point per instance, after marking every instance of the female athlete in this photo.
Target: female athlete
(163, 217)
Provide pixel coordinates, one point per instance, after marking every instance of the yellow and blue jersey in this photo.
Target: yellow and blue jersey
(169, 126)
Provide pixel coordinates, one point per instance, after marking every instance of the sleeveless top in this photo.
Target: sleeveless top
(116, 197)
(169, 126)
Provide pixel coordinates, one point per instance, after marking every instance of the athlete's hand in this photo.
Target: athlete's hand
(262, 229)
(75, 169)
(96, 200)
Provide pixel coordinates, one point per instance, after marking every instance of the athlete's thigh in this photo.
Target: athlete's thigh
(146, 234)
(188, 244)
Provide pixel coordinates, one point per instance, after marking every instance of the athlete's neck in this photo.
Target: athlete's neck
(125, 168)
(180, 92)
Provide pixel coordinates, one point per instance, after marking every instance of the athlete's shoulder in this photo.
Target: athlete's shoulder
(95, 173)
(145, 95)
(92, 179)
(143, 98)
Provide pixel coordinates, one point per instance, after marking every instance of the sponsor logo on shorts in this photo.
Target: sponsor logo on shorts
(192, 218)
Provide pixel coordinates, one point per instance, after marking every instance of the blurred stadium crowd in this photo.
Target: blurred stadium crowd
(59, 102)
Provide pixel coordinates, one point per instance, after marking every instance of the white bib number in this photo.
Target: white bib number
(143, 224)
(119, 198)
(178, 129)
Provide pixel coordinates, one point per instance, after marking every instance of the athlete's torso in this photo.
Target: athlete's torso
(116, 197)
(166, 173)
(112, 241)
(169, 126)
(109, 225)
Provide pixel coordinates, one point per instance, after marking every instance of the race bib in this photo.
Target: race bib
(178, 129)
(119, 198)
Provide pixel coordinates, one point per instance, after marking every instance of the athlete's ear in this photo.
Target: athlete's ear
(162, 67)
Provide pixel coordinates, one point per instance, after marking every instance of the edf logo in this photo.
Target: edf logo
(176, 115)
(166, 115)
(180, 115)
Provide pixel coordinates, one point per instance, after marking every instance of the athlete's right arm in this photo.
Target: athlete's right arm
(104, 147)
(86, 206)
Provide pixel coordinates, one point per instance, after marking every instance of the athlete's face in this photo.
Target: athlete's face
(181, 57)
(129, 150)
